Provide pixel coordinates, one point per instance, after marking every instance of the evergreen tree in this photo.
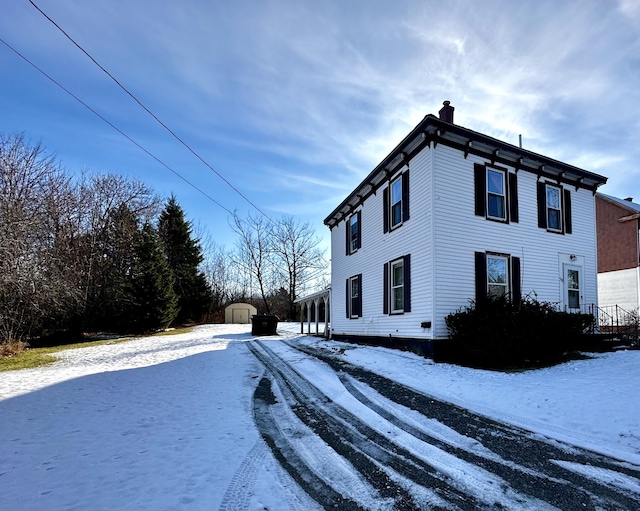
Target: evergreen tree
(156, 303)
(184, 255)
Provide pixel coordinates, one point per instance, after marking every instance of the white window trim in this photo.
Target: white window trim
(391, 203)
(503, 195)
(352, 296)
(507, 287)
(392, 288)
(561, 212)
(353, 239)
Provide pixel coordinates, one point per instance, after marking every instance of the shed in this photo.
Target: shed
(239, 313)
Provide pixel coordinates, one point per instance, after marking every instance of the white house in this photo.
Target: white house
(451, 215)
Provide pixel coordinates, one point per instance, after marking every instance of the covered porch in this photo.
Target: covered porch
(315, 308)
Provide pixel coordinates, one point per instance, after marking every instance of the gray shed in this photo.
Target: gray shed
(239, 313)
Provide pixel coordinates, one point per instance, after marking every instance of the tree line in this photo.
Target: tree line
(102, 252)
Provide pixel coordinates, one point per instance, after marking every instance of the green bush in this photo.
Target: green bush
(498, 333)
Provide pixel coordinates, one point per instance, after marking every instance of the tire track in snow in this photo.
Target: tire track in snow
(530, 464)
(377, 456)
(240, 489)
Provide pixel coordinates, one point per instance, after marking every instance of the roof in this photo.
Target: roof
(434, 129)
(627, 204)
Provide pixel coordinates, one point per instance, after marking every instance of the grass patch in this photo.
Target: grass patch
(40, 357)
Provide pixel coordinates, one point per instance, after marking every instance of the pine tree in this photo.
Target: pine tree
(184, 256)
(156, 303)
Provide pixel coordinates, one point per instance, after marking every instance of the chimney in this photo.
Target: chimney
(446, 112)
(629, 199)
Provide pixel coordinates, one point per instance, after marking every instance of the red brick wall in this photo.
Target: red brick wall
(617, 241)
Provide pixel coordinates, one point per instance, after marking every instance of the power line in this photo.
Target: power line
(187, 146)
(114, 126)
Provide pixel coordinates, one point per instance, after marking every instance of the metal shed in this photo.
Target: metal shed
(239, 313)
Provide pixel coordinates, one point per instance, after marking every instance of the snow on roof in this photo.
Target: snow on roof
(625, 203)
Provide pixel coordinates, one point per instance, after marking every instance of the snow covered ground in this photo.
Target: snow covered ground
(167, 422)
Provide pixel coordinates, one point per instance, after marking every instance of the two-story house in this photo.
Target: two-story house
(452, 215)
(618, 228)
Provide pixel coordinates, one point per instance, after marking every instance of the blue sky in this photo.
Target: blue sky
(295, 102)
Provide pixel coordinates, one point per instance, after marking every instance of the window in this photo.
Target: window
(573, 288)
(554, 208)
(354, 241)
(354, 297)
(397, 286)
(497, 275)
(496, 193)
(396, 202)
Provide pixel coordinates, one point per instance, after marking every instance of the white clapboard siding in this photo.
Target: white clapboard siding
(442, 235)
(413, 237)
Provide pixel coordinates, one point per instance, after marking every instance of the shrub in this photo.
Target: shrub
(12, 347)
(498, 333)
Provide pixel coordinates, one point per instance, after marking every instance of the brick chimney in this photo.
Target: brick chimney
(446, 112)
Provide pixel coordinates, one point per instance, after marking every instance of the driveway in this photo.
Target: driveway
(354, 440)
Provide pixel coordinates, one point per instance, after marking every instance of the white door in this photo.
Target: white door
(573, 287)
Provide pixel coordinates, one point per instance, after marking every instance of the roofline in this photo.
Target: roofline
(621, 203)
(433, 129)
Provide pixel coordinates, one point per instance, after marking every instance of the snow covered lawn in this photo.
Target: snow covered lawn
(167, 422)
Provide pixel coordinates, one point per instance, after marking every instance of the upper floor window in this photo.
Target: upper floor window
(397, 286)
(496, 193)
(396, 202)
(354, 241)
(554, 208)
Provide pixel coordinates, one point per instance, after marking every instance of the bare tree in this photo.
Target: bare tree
(254, 252)
(33, 293)
(297, 256)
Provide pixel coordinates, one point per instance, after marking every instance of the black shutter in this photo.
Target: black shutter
(480, 183)
(405, 196)
(542, 205)
(348, 299)
(516, 292)
(359, 300)
(385, 209)
(385, 294)
(567, 212)
(513, 198)
(481, 276)
(359, 230)
(407, 283)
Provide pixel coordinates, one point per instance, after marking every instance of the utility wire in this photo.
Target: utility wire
(113, 126)
(151, 113)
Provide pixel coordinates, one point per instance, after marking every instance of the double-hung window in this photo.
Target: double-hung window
(496, 194)
(354, 297)
(397, 286)
(497, 275)
(354, 230)
(554, 208)
(396, 202)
